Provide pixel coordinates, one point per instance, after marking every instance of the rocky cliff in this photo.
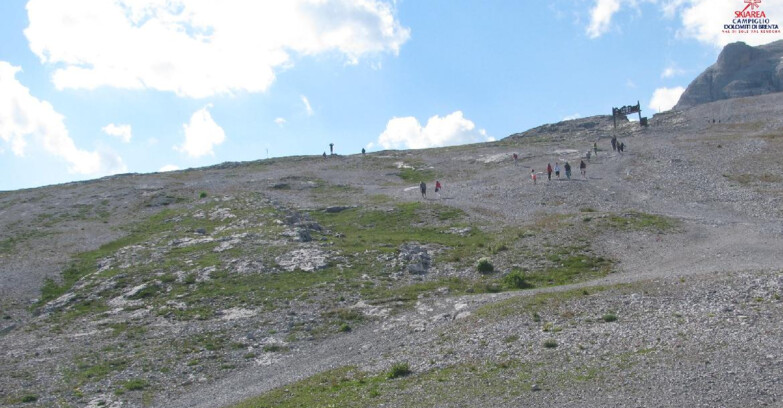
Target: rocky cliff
(741, 70)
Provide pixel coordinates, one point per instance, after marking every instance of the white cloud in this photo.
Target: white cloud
(169, 167)
(572, 117)
(201, 48)
(601, 17)
(123, 132)
(280, 121)
(24, 118)
(308, 108)
(629, 83)
(201, 134)
(664, 99)
(671, 71)
(407, 132)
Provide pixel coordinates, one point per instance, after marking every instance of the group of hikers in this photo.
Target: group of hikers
(423, 189)
(556, 170)
(616, 147)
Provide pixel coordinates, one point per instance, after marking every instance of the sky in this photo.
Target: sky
(90, 88)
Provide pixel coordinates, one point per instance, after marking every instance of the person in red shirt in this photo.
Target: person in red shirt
(549, 171)
(438, 187)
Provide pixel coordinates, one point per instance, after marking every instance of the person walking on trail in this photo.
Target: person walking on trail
(567, 167)
(324, 155)
(622, 147)
(423, 188)
(516, 158)
(363, 151)
(533, 175)
(588, 154)
(583, 169)
(557, 170)
(438, 187)
(331, 148)
(614, 143)
(549, 171)
(595, 148)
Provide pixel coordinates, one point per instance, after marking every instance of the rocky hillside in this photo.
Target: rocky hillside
(741, 70)
(653, 280)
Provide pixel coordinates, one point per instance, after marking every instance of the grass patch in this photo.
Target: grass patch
(135, 384)
(637, 221)
(609, 317)
(417, 175)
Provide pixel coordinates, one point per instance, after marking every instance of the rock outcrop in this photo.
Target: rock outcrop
(741, 70)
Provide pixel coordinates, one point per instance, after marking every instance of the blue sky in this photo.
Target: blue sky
(96, 87)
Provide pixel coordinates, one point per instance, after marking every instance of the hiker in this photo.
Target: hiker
(324, 155)
(331, 148)
(622, 147)
(589, 153)
(568, 170)
(363, 151)
(423, 188)
(583, 169)
(533, 175)
(438, 187)
(595, 148)
(557, 170)
(549, 171)
(614, 143)
(515, 159)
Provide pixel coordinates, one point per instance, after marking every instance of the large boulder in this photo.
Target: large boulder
(741, 70)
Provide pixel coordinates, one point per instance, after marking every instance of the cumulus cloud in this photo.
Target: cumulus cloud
(26, 119)
(601, 17)
(122, 132)
(408, 133)
(671, 71)
(308, 108)
(201, 134)
(169, 167)
(280, 121)
(664, 99)
(201, 48)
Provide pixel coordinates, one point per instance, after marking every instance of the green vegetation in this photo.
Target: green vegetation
(484, 265)
(609, 317)
(399, 370)
(417, 175)
(636, 221)
(550, 343)
(135, 384)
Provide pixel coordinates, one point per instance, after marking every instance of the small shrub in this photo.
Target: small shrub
(273, 348)
(550, 343)
(202, 194)
(609, 317)
(399, 370)
(485, 266)
(516, 280)
(250, 355)
(29, 398)
(511, 339)
(345, 328)
(536, 317)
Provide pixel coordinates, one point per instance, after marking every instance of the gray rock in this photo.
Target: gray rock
(741, 70)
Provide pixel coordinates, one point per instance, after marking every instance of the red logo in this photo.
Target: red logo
(752, 13)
